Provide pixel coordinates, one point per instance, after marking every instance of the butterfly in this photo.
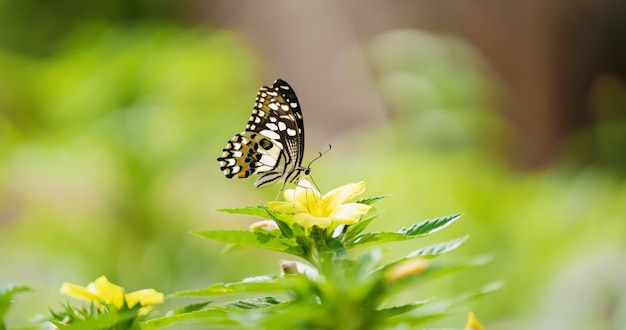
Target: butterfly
(272, 144)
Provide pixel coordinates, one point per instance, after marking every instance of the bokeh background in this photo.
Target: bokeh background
(112, 114)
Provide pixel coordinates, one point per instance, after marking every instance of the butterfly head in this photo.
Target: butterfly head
(298, 174)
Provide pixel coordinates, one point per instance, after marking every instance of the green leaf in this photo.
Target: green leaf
(109, 317)
(372, 200)
(440, 309)
(260, 211)
(209, 316)
(429, 226)
(253, 284)
(284, 228)
(259, 239)
(473, 295)
(358, 227)
(264, 303)
(398, 310)
(371, 238)
(191, 308)
(433, 270)
(418, 230)
(256, 211)
(415, 320)
(437, 249)
(6, 297)
(245, 313)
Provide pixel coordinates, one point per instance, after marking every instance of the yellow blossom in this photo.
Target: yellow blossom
(313, 209)
(101, 291)
(472, 323)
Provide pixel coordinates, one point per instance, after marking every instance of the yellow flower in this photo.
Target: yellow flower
(101, 291)
(472, 323)
(313, 209)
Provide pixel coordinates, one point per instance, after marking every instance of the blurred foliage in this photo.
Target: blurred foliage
(102, 146)
(37, 27)
(107, 161)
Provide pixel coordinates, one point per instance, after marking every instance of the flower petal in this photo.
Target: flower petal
(307, 220)
(289, 195)
(349, 213)
(306, 195)
(342, 194)
(144, 297)
(108, 292)
(78, 292)
(283, 207)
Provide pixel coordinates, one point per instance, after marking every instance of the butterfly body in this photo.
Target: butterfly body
(272, 143)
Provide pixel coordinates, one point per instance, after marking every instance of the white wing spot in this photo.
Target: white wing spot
(270, 134)
(267, 160)
(282, 126)
(293, 104)
(273, 106)
(291, 132)
(272, 126)
(284, 107)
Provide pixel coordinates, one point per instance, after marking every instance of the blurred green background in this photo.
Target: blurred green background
(112, 114)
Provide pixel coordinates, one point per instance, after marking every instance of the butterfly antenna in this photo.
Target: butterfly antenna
(320, 155)
(314, 183)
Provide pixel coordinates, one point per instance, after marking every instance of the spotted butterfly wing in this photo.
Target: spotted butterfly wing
(272, 144)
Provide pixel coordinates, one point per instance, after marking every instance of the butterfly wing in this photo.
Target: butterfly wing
(273, 141)
(295, 117)
(249, 153)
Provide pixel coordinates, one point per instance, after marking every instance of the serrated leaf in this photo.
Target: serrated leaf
(358, 227)
(418, 230)
(264, 303)
(381, 237)
(255, 284)
(191, 308)
(399, 310)
(259, 239)
(256, 211)
(209, 316)
(437, 249)
(429, 226)
(372, 200)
